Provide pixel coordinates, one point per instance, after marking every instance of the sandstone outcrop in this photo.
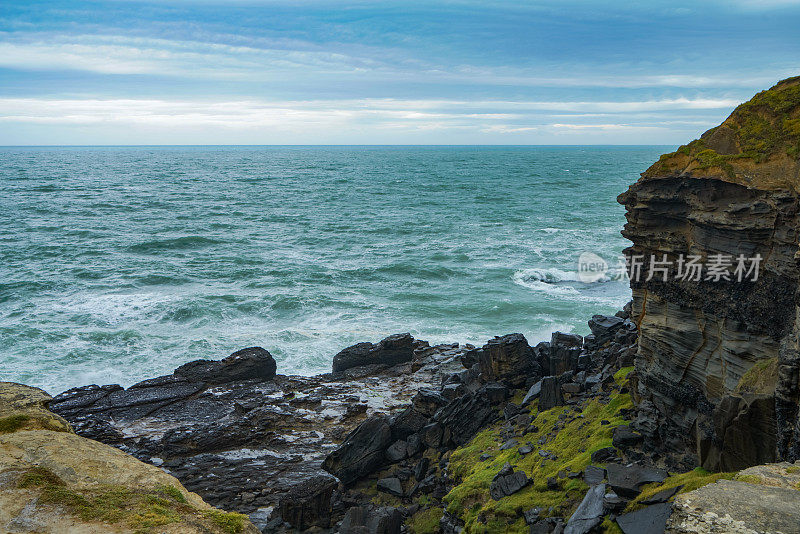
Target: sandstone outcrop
(733, 192)
(52, 480)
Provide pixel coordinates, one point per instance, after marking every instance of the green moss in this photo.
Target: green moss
(582, 434)
(708, 158)
(621, 376)
(141, 509)
(172, 492)
(690, 481)
(610, 527)
(760, 378)
(12, 423)
(750, 479)
(229, 522)
(425, 521)
(793, 469)
(39, 477)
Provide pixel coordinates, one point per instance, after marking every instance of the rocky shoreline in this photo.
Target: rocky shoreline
(295, 452)
(678, 414)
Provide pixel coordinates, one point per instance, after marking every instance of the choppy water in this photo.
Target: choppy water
(118, 264)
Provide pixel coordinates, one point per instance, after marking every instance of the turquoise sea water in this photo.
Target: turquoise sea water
(118, 264)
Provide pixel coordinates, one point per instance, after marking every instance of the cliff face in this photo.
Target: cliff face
(717, 362)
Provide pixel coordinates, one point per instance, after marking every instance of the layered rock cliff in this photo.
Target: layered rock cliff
(717, 361)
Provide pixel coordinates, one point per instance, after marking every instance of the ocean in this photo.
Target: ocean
(120, 263)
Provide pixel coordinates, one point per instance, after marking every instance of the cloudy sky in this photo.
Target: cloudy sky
(320, 72)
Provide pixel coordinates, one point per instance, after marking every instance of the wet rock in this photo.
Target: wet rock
(550, 396)
(589, 513)
(253, 363)
(627, 480)
(391, 485)
(397, 348)
(362, 451)
(507, 482)
(308, 504)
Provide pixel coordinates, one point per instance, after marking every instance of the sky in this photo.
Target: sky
(369, 72)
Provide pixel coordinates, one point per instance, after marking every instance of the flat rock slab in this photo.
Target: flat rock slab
(650, 520)
(589, 513)
(627, 480)
(736, 507)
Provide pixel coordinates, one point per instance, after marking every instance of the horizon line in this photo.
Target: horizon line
(341, 145)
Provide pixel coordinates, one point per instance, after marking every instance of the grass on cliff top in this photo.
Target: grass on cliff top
(142, 510)
(12, 423)
(690, 481)
(572, 445)
(425, 521)
(766, 125)
(761, 378)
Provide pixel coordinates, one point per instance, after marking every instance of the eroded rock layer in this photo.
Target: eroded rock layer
(706, 379)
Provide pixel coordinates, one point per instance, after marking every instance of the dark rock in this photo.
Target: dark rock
(614, 503)
(623, 437)
(245, 364)
(531, 516)
(397, 451)
(397, 348)
(509, 359)
(551, 394)
(549, 525)
(391, 485)
(593, 475)
(362, 451)
(308, 504)
(603, 455)
(511, 410)
(627, 480)
(465, 416)
(507, 482)
(533, 393)
(386, 520)
(354, 521)
(572, 388)
(564, 352)
(552, 484)
(421, 469)
(589, 513)
(662, 496)
(431, 435)
(650, 520)
(510, 444)
(526, 449)
(604, 327)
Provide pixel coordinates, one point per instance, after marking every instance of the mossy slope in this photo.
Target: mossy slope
(757, 145)
(570, 433)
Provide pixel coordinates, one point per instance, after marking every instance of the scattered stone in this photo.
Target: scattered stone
(623, 437)
(510, 444)
(603, 455)
(397, 451)
(507, 482)
(391, 485)
(531, 516)
(526, 449)
(593, 475)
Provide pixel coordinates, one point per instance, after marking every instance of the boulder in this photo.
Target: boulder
(507, 482)
(508, 359)
(623, 437)
(563, 354)
(735, 507)
(308, 504)
(604, 327)
(603, 455)
(463, 417)
(650, 520)
(362, 451)
(533, 393)
(397, 348)
(589, 513)
(550, 395)
(253, 363)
